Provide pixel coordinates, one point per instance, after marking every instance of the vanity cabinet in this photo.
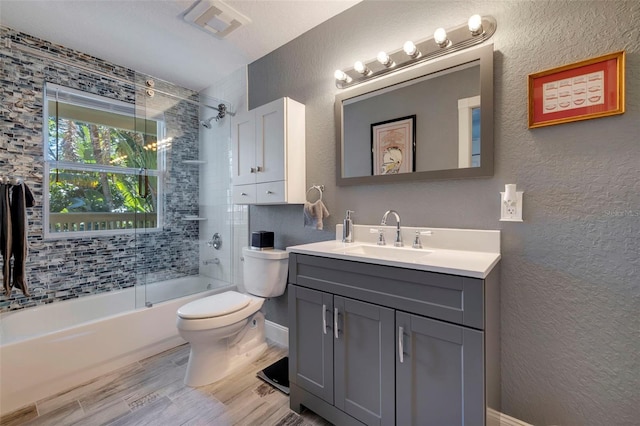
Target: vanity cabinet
(380, 345)
(268, 155)
(343, 353)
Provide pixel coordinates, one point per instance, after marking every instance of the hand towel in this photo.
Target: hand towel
(21, 198)
(314, 213)
(5, 236)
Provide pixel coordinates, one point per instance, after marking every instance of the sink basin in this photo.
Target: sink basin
(402, 254)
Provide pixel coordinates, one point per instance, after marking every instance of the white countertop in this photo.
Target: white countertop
(438, 253)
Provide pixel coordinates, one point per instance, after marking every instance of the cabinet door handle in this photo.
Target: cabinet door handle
(401, 344)
(253, 170)
(324, 318)
(335, 322)
(243, 194)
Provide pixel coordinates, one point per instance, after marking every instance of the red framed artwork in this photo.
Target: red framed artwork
(587, 89)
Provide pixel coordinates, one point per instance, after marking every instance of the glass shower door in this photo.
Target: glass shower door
(150, 162)
(167, 249)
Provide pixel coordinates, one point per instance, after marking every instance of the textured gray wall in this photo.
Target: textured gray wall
(570, 284)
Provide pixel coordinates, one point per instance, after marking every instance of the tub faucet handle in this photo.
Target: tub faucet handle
(215, 242)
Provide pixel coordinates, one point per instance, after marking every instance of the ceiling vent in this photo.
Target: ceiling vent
(215, 17)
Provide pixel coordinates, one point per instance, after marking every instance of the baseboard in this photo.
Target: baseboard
(496, 418)
(276, 333)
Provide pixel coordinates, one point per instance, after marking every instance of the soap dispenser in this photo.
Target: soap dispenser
(347, 228)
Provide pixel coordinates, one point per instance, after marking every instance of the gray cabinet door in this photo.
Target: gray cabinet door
(439, 373)
(364, 361)
(311, 341)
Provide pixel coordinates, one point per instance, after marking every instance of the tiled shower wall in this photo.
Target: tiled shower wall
(64, 268)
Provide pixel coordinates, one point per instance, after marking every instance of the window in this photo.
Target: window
(475, 137)
(469, 132)
(103, 165)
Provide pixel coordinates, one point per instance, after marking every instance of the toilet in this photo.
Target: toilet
(226, 330)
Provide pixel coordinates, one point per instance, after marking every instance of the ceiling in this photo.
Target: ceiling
(152, 37)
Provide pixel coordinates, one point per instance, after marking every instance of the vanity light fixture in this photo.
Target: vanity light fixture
(385, 59)
(440, 37)
(477, 30)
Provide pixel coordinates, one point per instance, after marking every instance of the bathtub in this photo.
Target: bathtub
(47, 349)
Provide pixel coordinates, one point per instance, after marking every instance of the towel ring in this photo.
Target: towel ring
(319, 188)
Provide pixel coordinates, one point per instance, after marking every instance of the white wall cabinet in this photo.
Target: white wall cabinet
(269, 154)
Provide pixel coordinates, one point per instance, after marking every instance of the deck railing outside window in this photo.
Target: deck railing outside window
(83, 222)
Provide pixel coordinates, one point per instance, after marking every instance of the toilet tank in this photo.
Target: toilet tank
(265, 271)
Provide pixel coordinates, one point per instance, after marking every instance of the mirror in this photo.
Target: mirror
(432, 121)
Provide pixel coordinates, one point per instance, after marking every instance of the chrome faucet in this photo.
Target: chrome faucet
(398, 242)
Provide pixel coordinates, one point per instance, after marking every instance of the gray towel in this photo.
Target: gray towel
(14, 200)
(21, 198)
(314, 213)
(5, 237)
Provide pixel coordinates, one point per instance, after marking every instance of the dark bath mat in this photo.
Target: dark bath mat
(277, 375)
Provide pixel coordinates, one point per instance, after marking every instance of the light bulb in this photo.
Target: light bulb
(410, 49)
(341, 76)
(475, 25)
(384, 59)
(440, 37)
(361, 68)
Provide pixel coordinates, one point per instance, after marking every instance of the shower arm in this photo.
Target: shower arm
(222, 112)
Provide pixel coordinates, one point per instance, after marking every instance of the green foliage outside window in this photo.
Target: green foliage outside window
(99, 191)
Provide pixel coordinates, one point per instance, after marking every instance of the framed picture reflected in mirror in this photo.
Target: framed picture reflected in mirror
(393, 146)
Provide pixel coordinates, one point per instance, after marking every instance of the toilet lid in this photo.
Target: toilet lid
(214, 306)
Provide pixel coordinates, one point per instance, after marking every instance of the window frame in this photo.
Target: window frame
(83, 99)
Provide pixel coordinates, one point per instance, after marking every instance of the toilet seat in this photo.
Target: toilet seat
(214, 322)
(214, 306)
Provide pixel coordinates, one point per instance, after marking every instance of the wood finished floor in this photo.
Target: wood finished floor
(151, 392)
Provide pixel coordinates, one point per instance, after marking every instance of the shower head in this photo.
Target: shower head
(207, 123)
(222, 112)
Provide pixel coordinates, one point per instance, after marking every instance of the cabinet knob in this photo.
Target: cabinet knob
(253, 170)
(259, 169)
(243, 194)
(269, 192)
